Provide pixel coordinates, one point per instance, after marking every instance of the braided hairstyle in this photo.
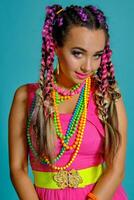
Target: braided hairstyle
(57, 25)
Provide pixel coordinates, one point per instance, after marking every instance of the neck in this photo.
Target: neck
(63, 82)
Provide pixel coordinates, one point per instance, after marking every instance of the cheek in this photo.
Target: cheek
(65, 65)
(70, 63)
(97, 63)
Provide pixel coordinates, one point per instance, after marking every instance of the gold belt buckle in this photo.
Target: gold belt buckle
(66, 179)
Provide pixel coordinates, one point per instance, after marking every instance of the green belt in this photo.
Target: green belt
(63, 179)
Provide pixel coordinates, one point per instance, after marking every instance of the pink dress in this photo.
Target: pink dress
(91, 153)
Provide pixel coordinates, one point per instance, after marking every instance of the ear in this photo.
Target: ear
(55, 48)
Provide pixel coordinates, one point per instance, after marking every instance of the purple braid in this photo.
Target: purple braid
(81, 12)
(99, 16)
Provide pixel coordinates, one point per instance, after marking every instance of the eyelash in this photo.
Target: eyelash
(78, 53)
(99, 55)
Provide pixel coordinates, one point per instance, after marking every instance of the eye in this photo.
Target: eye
(77, 54)
(97, 56)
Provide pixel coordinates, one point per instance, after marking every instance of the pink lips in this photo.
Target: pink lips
(81, 76)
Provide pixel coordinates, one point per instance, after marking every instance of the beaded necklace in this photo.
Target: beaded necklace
(68, 92)
(79, 118)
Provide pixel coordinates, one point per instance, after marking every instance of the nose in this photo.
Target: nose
(87, 66)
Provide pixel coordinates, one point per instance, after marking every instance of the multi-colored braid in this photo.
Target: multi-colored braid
(47, 69)
(106, 91)
(106, 85)
(102, 87)
(105, 77)
(44, 102)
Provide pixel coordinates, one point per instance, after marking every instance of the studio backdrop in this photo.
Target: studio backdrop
(20, 56)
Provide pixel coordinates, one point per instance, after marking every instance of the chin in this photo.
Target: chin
(77, 81)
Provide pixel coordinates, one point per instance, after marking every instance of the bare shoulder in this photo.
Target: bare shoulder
(19, 102)
(21, 93)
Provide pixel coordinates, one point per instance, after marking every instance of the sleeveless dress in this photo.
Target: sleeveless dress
(91, 153)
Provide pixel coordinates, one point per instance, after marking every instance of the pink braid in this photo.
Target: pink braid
(104, 73)
(43, 94)
(41, 116)
(46, 72)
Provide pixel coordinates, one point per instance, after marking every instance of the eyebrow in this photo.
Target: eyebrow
(80, 48)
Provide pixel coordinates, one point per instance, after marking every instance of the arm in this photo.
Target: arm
(113, 175)
(18, 156)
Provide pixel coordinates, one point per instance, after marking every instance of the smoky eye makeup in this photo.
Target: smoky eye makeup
(97, 56)
(77, 53)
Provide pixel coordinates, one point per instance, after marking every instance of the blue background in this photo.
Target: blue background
(20, 34)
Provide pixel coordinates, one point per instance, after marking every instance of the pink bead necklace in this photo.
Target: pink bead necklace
(68, 92)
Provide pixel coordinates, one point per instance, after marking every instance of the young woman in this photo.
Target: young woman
(72, 123)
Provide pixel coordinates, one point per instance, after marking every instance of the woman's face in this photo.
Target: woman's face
(80, 55)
